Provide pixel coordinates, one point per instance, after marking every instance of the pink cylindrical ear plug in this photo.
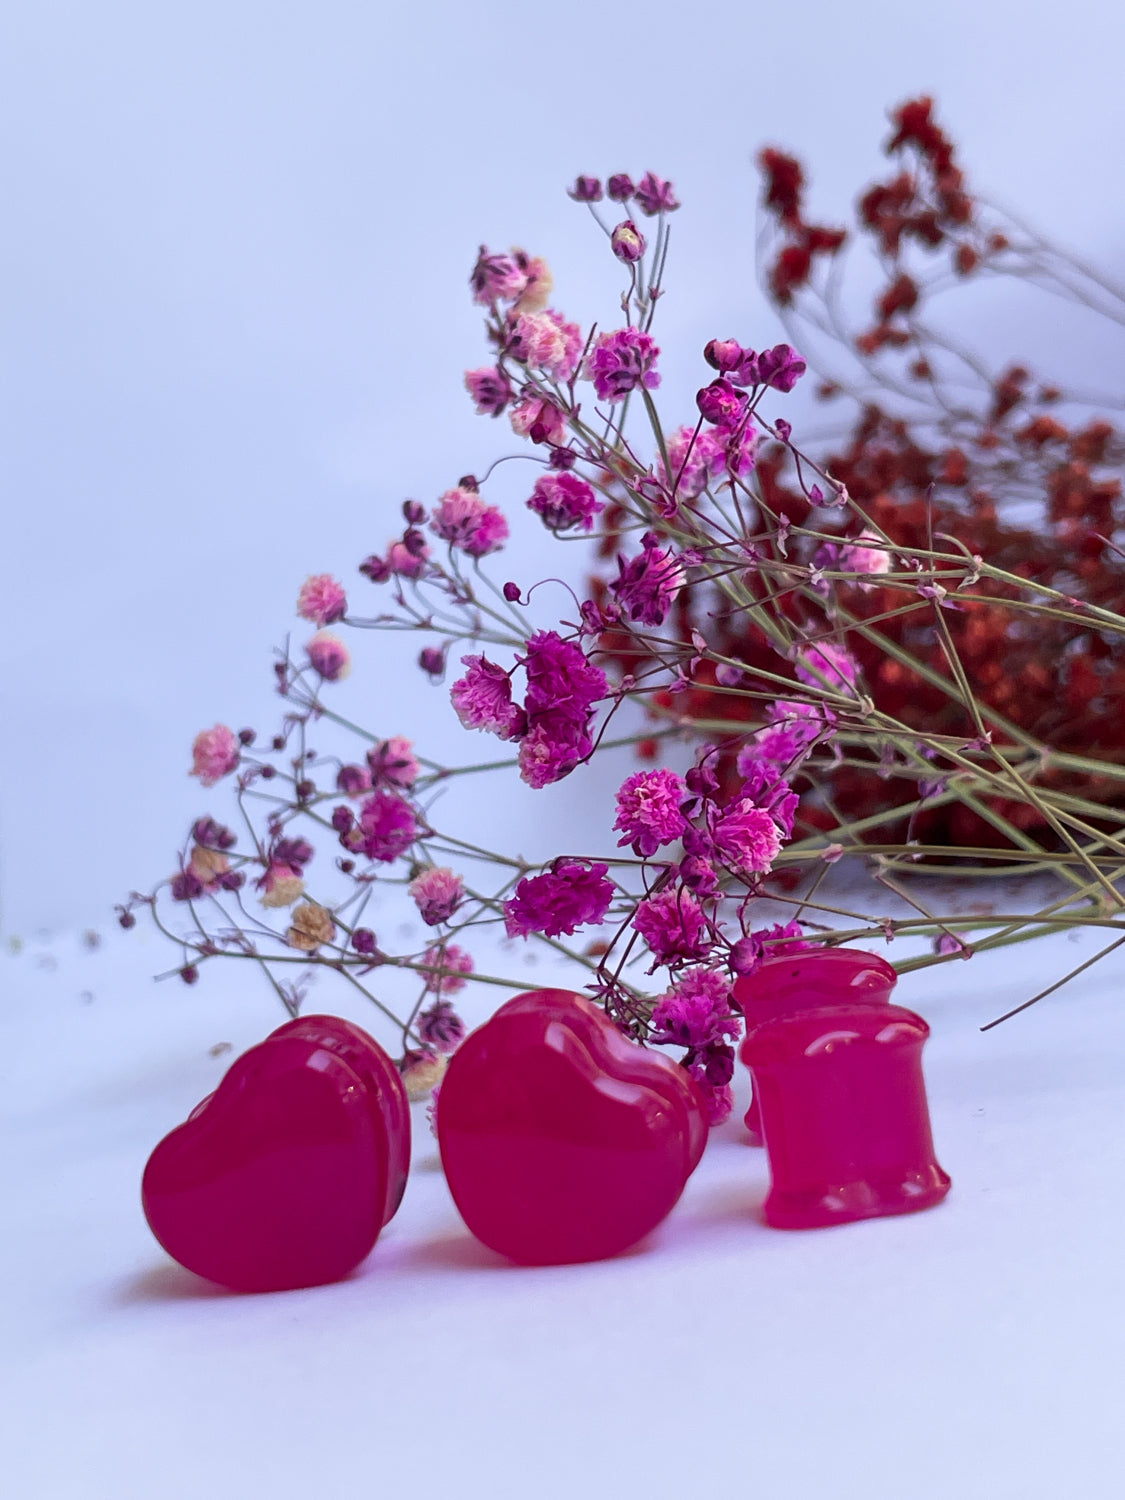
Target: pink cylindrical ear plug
(844, 1114)
(792, 982)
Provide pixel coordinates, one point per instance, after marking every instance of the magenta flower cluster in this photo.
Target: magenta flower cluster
(647, 585)
(464, 520)
(553, 725)
(621, 362)
(565, 501)
(648, 811)
(571, 894)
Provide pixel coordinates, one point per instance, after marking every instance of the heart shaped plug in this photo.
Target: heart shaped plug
(285, 1175)
(561, 1140)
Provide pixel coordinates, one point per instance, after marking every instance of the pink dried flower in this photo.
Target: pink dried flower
(698, 1012)
(565, 500)
(560, 678)
(648, 810)
(570, 895)
(787, 937)
(721, 403)
(620, 187)
(440, 1027)
(621, 361)
(948, 943)
(431, 659)
(776, 745)
(329, 656)
(450, 957)
(655, 195)
(322, 600)
(627, 242)
(387, 827)
(780, 367)
(539, 419)
(406, 562)
(719, 1098)
(546, 341)
(827, 663)
(647, 584)
(857, 557)
(766, 788)
(353, 781)
(586, 190)
(562, 688)
(483, 699)
(538, 282)
(464, 520)
(746, 838)
(281, 885)
(673, 926)
(437, 893)
(214, 754)
(489, 389)
(393, 763)
(551, 750)
(496, 278)
(724, 354)
(694, 458)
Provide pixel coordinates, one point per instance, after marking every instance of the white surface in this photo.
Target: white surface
(968, 1353)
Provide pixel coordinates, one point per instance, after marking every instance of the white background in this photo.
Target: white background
(234, 322)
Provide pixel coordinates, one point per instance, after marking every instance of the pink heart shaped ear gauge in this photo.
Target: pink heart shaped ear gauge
(561, 1140)
(286, 1174)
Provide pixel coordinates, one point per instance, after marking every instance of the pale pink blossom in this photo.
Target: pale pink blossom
(546, 341)
(539, 419)
(322, 600)
(437, 894)
(215, 754)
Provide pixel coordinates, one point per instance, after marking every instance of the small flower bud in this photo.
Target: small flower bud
(246, 736)
(126, 919)
(414, 512)
(363, 940)
(627, 242)
(342, 819)
(375, 568)
(353, 781)
(620, 187)
(721, 403)
(512, 593)
(432, 660)
(563, 458)
(724, 354)
(189, 973)
(586, 190)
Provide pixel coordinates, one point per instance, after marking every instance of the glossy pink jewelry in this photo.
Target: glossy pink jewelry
(562, 1140)
(812, 977)
(842, 1100)
(285, 1175)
